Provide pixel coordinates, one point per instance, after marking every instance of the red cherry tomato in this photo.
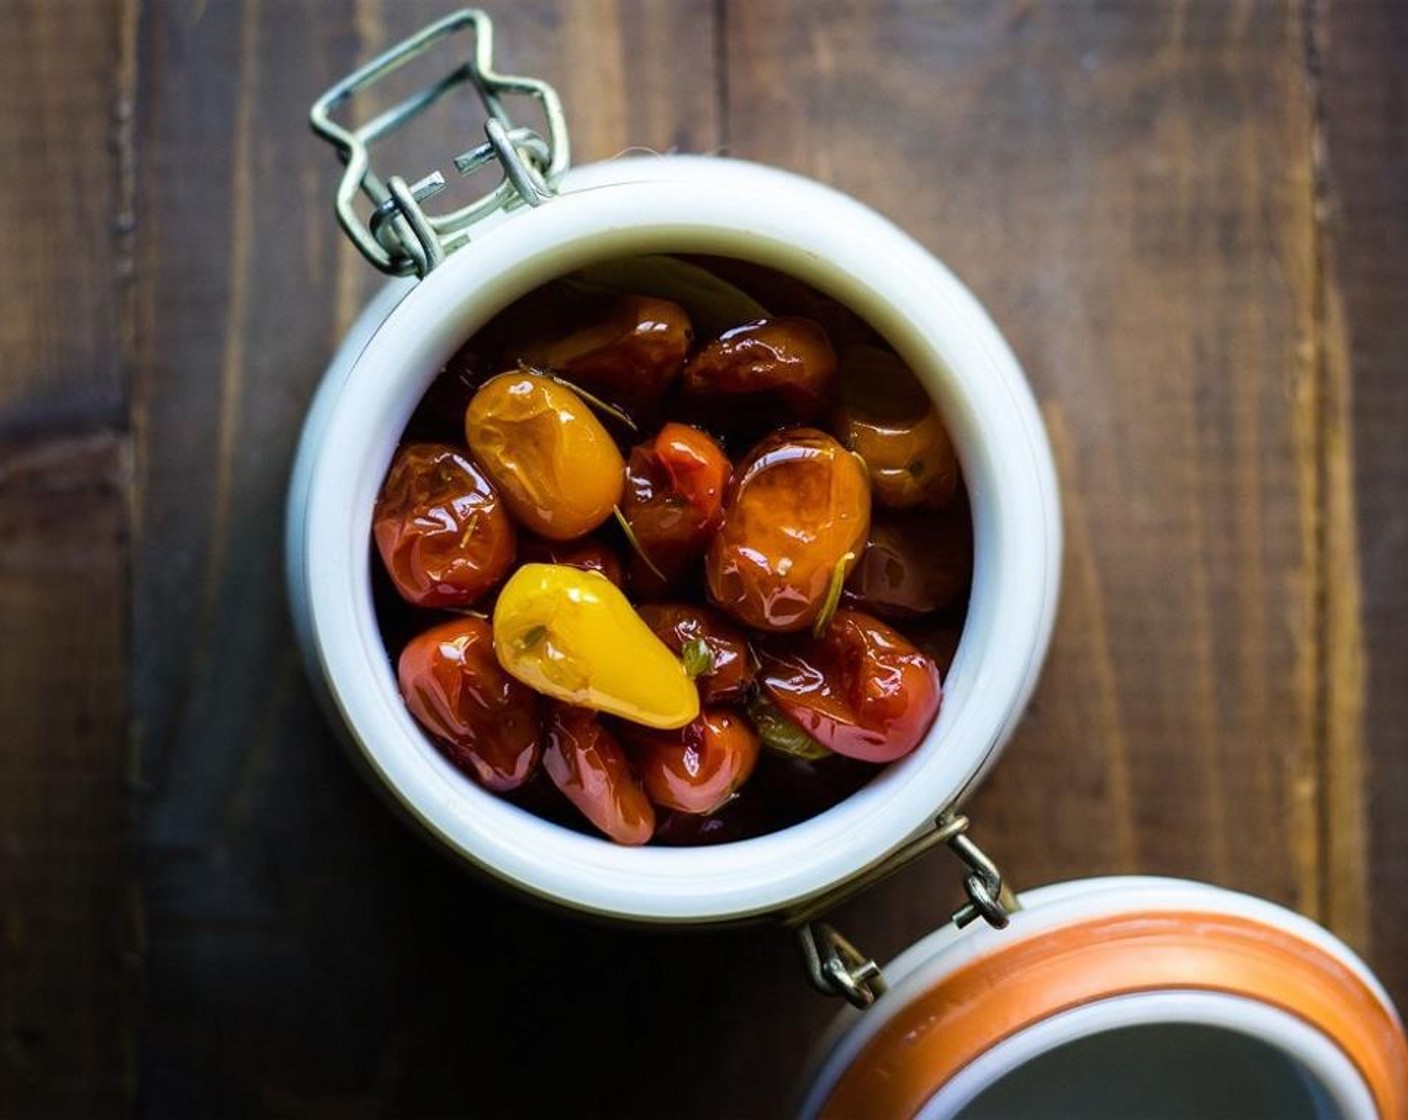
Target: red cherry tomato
(587, 764)
(442, 532)
(585, 553)
(774, 366)
(861, 689)
(484, 721)
(714, 652)
(630, 356)
(697, 768)
(674, 503)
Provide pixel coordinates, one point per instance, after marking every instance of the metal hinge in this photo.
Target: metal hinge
(836, 967)
(399, 236)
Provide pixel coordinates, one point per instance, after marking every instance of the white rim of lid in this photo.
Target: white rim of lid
(928, 962)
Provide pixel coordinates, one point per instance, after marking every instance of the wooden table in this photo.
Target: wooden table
(1190, 220)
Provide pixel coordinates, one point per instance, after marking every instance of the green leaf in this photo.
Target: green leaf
(778, 733)
(833, 595)
(632, 540)
(698, 658)
(713, 305)
(531, 637)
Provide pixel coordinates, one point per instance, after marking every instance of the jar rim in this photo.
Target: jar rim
(728, 208)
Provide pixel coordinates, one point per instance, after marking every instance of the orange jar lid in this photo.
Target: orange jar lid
(1198, 939)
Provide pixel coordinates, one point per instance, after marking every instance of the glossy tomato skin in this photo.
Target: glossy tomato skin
(797, 512)
(887, 418)
(630, 356)
(783, 367)
(861, 689)
(484, 721)
(914, 562)
(697, 768)
(674, 503)
(730, 671)
(586, 554)
(587, 764)
(557, 468)
(440, 527)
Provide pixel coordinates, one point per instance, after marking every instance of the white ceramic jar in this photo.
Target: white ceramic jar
(724, 207)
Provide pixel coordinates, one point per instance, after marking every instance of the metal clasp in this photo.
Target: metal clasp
(836, 967)
(400, 237)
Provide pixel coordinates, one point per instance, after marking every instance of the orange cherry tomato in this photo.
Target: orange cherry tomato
(558, 470)
(674, 503)
(484, 721)
(587, 764)
(887, 419)
(784, 367)
(631, 356)
(697, 768)
(714, 653)
(440, 527)
(796, 518)
(861, 689)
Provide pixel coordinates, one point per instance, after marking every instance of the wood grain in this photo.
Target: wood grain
(1188, 219)
(65, 976)
(1363, 89)
(402, 986)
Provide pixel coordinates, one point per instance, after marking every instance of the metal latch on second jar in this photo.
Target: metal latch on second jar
(836, 967)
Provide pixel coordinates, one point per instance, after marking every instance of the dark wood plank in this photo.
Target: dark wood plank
(1128, 189)
(65, 979)
(307, 954)
(60, 124)
(1360, 49)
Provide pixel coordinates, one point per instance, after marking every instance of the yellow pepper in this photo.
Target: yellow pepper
(571, 634)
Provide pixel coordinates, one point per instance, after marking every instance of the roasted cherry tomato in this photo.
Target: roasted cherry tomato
(484, 721)
(631, 356)
(914, 562)
(586, 763)
(795, 520)
(440, 414)
(586, 554)
(440, 527)
(796, 789)
(714, 653)
(697, 768)
(555, 465)
(774, 366)
(939, 639)
(739, 818)
(887, 419)
(674, 503)
(573, 636)
(861, 689)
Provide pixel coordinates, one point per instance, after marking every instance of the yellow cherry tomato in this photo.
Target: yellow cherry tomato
(555, 466)
(571, 634)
